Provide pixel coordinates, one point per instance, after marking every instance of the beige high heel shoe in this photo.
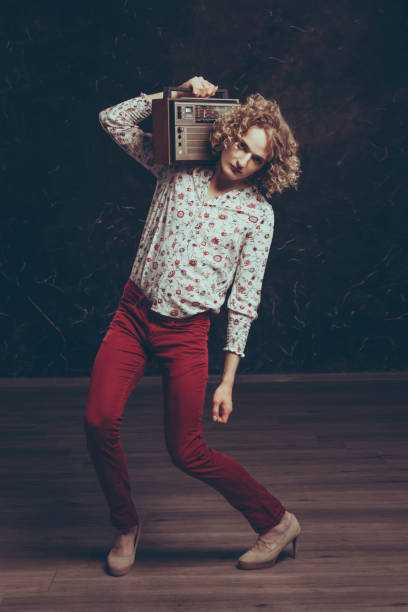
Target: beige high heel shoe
(264, 553)
(119, 565)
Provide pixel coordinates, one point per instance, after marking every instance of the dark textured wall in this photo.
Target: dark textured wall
(335, 292)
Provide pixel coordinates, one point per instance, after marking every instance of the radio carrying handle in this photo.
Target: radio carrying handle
(167, 92)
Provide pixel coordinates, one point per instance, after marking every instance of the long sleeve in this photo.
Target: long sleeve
(121, 123)
(247, 285)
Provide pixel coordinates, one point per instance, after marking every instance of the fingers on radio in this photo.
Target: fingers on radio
(202, 88)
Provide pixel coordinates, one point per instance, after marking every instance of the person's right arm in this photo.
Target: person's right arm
(121, 121)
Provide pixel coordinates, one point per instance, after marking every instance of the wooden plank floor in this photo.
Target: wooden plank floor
(332, 448)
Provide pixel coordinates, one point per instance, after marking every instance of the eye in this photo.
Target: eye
(258, 160)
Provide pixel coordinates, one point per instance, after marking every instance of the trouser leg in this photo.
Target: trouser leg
(118, 366)
(184, 383)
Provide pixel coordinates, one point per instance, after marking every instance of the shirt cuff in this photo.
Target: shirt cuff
(237, 333)
(146, 110)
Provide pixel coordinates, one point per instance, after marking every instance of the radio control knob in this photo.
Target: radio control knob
(180, 129)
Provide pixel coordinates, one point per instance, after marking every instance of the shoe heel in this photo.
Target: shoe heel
(294, 547)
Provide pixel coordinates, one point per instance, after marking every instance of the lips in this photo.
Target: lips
(235, 170)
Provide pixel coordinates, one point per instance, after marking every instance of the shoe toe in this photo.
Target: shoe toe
(118, 565)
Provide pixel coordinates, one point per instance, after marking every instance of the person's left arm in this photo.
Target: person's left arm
(222, 398)
(242, 308)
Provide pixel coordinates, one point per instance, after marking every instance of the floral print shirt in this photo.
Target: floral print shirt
(193, 248)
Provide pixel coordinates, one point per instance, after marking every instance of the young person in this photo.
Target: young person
(209, 228)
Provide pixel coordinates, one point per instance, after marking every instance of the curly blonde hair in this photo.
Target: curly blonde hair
(282, 169)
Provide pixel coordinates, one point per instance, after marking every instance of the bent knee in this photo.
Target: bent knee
(186, 458)
(178, 458)
(96, 422)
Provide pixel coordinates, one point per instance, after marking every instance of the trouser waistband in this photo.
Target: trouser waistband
(139, 297)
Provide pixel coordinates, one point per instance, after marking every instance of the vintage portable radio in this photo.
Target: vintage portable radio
(181, 126)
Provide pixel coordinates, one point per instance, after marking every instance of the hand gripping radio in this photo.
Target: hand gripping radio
(181, 126)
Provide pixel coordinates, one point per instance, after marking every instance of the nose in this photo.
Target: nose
(244, 158)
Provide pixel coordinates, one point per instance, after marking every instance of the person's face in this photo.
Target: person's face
(246, 156)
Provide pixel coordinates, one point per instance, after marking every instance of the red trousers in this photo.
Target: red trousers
(134, 333)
